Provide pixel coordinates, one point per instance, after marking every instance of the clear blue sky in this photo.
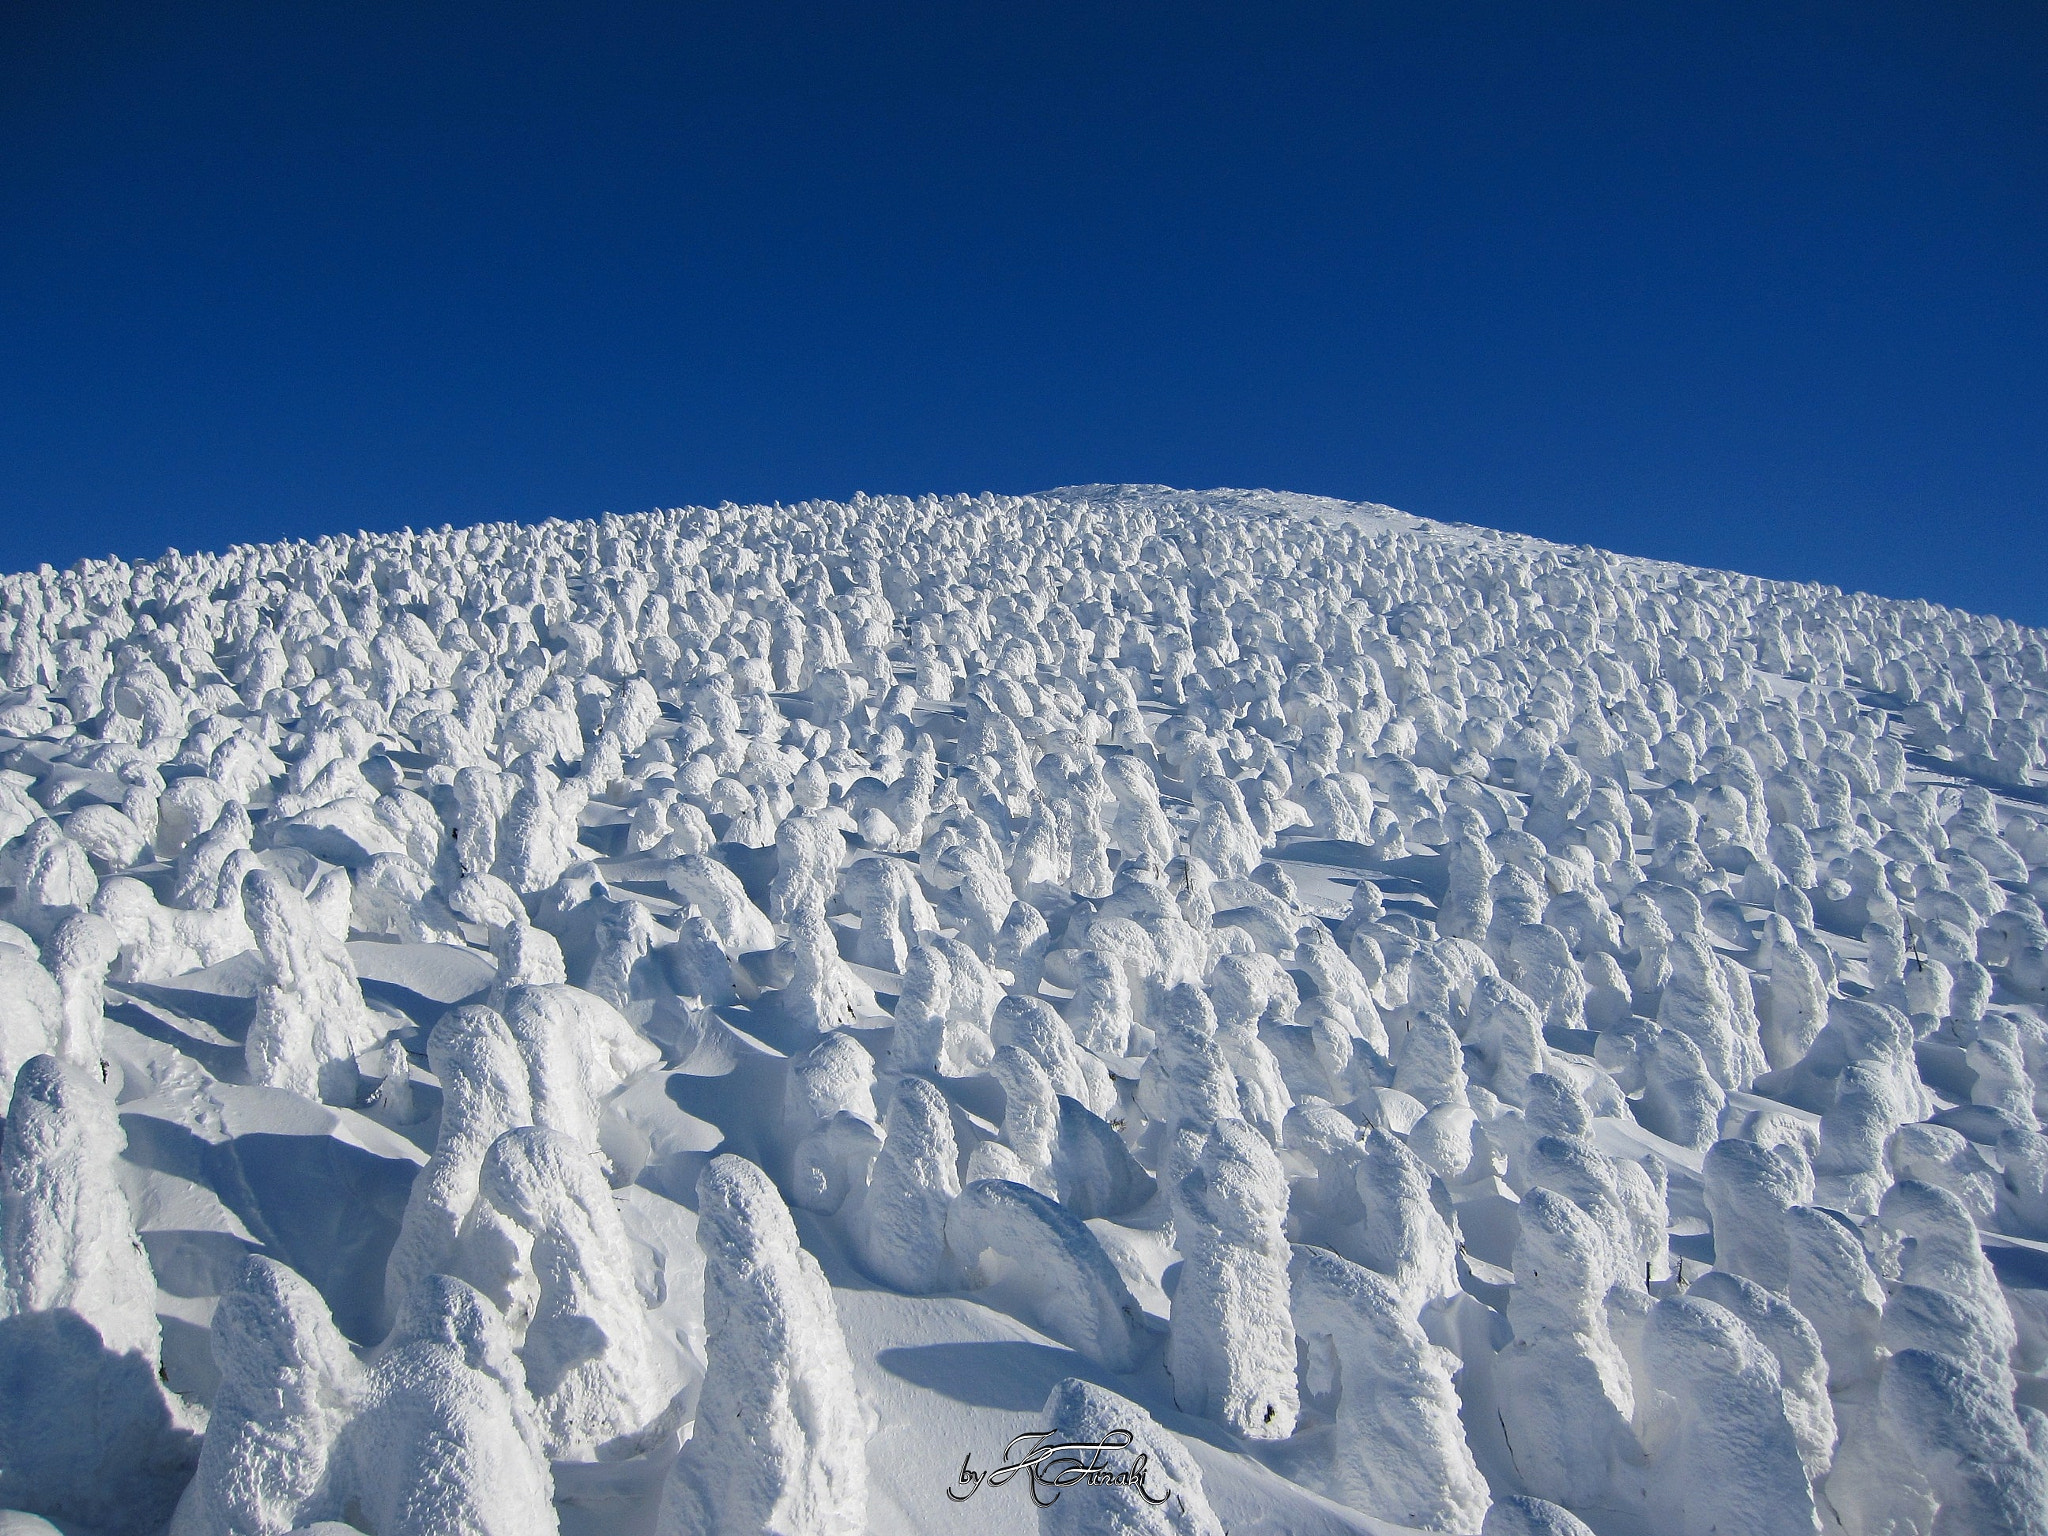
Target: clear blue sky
(1760, 286)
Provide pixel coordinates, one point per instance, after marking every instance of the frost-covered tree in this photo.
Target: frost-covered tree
(1401, 1454)
(780, 1442)
(546, 1244)
(87, 1432)
(288, 1388)
(1231, 1351)
(311, 1020)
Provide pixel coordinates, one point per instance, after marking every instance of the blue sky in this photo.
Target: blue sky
(1753, 286)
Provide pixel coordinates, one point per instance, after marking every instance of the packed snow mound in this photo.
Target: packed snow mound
(1118, 1010)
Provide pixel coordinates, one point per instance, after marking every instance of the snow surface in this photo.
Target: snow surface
(1120, 1010)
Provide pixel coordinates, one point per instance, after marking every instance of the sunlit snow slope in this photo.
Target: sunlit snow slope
(1119, 1010)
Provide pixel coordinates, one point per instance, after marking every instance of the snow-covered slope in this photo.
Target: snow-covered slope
(1118, 1010)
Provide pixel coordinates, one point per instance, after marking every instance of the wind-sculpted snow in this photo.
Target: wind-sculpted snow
(699, 1021)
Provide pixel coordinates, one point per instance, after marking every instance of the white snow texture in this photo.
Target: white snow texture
(698, 1022)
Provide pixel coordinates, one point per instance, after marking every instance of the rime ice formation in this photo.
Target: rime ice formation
(780, 1432)
(444, 1441)
(1568, 1397)
(546, 1243)
(1170, 1500)
(1401, 1453)
(288, 1386)
(1722, 1452)
(577, 1049)
(902, 1215)
(33, 1011)
(85, 1430)
(1521, 1515)
(437, 1435)
(310, 1017)
(78, 955)
(66, 1232)
(1231, 1348)
(1053, 1264)
(485, 1092)
(1553, 1041)
(1802, 1369)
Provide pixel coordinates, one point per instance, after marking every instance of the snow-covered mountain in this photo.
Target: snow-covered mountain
(1117, 1010)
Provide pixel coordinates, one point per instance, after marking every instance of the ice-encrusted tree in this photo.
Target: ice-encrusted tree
(87, 1432)
(1231, 1350)
(1567, 1397)
(1757, 842)
(289, 1385)
(1723, 1456)
(1052, 1265)
(1400, 1449)
(1169, 1500)
(32, 1010)
(780, 1441)
(444, 1441)
(485, 1092)
(545, 1242)
(901, 1217)
(311, 1021)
